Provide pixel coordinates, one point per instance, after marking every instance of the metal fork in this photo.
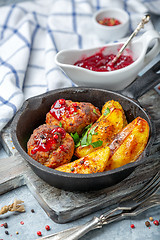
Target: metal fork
(76, 232)
(127, 203)
(138, 197)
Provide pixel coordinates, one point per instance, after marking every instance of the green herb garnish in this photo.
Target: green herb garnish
(76, 138)
(86, 138)
(92, 131)
(107, 111)
(94, 111)
(60, 124)
(97, 144)
(87, 127)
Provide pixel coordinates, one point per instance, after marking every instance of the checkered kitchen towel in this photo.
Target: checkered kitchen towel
(32, 32)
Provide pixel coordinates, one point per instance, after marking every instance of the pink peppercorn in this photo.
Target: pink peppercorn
(22, 223)
(39, 233)
(156, 222)
(47, 227)
(132, 226)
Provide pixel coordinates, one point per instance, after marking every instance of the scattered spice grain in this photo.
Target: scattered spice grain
(47, 227)
(22, 223)
(151, 219)
(147, 223)
(6, 232)
(39, 233)
(5, 225)
(156, 222)
(132, 226)
(32, 210)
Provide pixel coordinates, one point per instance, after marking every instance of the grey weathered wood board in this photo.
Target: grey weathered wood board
(63, 206)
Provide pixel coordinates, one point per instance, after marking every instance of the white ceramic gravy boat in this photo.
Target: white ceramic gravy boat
(114, 80)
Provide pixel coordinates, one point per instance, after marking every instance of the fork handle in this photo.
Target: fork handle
(95, 222)
(85, 228)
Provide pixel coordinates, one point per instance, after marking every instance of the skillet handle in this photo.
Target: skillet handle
(143, 83)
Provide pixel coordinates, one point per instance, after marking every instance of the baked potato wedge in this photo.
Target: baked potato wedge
(104, 129)
(112, 105)
(129, 143)
(92, 163)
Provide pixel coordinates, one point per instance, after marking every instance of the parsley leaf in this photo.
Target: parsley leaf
(87, 127)
(89, 139)
(84, 139)
(92, 131)
(94, 111)
(76, 138)
(97, 144)
(107, 111)
(60, 124)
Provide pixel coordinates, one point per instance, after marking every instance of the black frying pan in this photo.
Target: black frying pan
(33, 112)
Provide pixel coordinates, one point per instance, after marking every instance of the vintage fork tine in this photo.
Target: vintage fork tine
(131, 213)
(145, 187)
(139, 196)
(143, 207)
(149, 188)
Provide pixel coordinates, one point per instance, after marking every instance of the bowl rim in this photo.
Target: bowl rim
(43, 168)
(110, 10)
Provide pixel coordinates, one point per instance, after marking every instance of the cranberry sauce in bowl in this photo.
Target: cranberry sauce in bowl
(107, 21)
(103, 63)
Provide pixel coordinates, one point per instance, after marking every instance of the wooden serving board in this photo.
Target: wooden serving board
(63, 206)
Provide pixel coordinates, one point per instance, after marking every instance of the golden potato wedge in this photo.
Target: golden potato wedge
(106, 127)
(92, 163)
(112, 105)
(129, 143)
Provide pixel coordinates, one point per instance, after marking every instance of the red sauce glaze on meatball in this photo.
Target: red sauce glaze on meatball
(50, 146)
(73, 116)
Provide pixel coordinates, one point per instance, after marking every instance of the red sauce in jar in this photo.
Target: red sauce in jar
(46, 140)
(102, 63)
(60, 108)
(109, 22)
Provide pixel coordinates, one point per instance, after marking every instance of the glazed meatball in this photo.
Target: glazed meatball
(50, 146)
(73, 116)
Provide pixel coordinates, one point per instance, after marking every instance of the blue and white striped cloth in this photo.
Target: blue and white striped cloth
(31, 33)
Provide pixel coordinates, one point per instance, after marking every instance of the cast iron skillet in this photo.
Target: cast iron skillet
(32, 114)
